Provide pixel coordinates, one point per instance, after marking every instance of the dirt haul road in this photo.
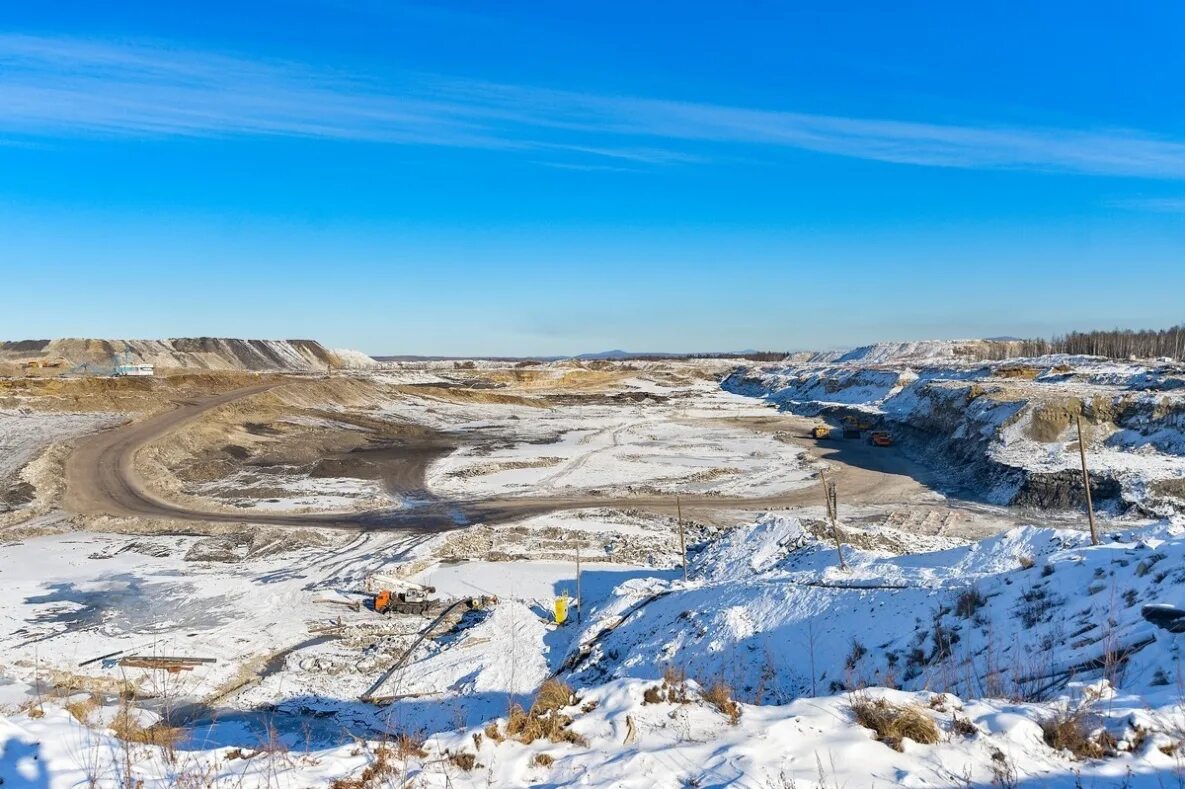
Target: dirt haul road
(101, 479)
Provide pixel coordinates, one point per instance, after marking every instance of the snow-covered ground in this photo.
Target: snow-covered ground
(294, 492)
(66, 599)
(1053, 632)
(23, 434)
(682, 444)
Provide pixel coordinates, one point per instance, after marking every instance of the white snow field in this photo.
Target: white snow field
(1052, 631)
(684, 444)
(1027, 659)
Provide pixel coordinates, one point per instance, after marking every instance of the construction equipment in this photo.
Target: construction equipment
(821, 431)
(396, 595)
(881, 438)
(406, 601)
(853, 426)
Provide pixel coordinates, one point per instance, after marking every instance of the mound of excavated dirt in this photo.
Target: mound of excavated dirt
(124, 394)
(206, 353)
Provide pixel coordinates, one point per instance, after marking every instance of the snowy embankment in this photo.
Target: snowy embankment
(24, 435)
(1024, 660)
(1008, 426)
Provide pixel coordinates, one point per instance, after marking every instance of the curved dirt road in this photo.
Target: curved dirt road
(101, 479)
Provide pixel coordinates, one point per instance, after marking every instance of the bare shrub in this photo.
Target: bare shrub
(719, 695)
(1079, 732)
(674, 676)
(464, 760)
(963, 727)
(544, 721)
(969, 602)
(894, 723)
(1003, 771)
(381, 768)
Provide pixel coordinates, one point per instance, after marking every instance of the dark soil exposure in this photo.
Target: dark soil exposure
(16, 494)
(401, 467)
(1064, 490)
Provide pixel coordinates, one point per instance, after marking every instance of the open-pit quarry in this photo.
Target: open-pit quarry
(193, 557)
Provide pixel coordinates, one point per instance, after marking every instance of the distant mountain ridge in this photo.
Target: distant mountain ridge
(190, 353)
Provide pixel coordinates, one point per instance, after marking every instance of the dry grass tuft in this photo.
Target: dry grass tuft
(83, 709)
(968, 602)
(719, 695)
(379, 772)
(544, 721)
(464, 760)
(32, 708)
(408, 745)
(125, 727)
(963, 727)
(1078, 732)
(554, 695)
(894, 723)
(673, 676)
(1027, 562)
(544, 760)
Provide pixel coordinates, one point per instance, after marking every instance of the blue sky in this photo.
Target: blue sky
(539, 178)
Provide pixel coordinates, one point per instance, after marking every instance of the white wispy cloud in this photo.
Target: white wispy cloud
(1159, 205)
(66, 87)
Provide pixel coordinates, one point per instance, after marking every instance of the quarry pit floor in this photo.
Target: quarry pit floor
(878, 485)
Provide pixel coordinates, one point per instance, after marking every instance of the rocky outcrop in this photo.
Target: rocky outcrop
(1063, 490)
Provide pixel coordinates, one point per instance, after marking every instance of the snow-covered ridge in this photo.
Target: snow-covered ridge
(203, 353)
(914, 352)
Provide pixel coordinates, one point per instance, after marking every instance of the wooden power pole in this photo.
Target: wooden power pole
(1094, 530)
(682, 541)
(579, 599)
(833, 515)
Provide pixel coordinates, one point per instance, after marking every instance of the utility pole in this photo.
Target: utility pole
(682, 541)
(1094, 531)
(579, 599)
(833, 515)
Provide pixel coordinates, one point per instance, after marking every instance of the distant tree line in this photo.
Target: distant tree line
(1114, 344)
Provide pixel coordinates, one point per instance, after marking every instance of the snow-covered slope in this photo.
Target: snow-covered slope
(208, 353)
(1028, 660)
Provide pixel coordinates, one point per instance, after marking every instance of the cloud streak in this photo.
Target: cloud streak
(52, 87)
